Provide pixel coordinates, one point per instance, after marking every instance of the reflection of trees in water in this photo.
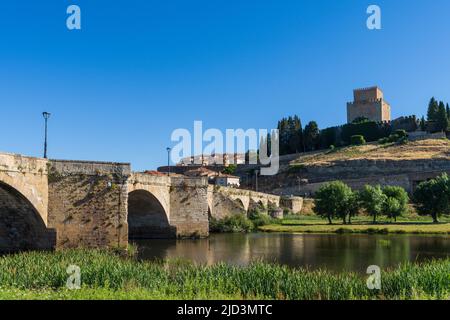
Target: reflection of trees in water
(334, 252)
(429, 247)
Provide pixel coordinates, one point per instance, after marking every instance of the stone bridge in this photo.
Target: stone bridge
(46, 204)
(223, 202)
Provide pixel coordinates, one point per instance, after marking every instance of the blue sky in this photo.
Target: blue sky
(140, 69)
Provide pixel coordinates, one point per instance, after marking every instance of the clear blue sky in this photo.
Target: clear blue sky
(139, 69)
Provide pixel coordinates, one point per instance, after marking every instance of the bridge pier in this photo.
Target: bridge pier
(88, 203)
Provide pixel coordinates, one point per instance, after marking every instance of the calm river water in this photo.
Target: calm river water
(333, 252)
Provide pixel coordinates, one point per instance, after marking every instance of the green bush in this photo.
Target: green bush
(260, 219)
(401, 133)
(372, 131)
(232, 224)
(400, 136)
(231, 169)
(357, 140)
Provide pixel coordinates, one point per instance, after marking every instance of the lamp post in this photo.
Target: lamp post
(168, 160)
(46, 115)
(256, 176)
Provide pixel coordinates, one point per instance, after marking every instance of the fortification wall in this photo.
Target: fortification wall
(305, 180)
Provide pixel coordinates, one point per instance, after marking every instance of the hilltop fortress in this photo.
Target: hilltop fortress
(368, 103)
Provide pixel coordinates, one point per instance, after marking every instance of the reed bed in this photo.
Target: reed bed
(108, 275)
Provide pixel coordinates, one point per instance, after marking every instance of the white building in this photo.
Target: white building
(227, 180)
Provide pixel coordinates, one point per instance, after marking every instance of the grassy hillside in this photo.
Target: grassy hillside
(416, 150)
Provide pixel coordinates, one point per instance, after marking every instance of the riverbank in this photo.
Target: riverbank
(406, 225)
(105, 275)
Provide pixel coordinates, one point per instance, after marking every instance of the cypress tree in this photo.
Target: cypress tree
(441, 117)
(432, 110)
(312, 135)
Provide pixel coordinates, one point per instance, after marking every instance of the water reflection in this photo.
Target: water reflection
(334, 252)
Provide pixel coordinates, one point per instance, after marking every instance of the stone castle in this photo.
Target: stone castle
(368, 103)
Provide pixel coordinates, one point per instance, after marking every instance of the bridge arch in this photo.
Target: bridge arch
(21, 224)
(147, 217)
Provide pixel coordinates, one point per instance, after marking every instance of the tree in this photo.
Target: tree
(423, 125)
(295, 135)
(291, 135)
(311, 136)
(231, 169)
(396, 203)
(433, 197)
(441, 117)
(372, 199)
(352, 207)
(447, 109)
(432, 110)
(332, 200)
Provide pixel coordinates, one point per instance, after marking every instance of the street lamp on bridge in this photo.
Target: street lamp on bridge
(46, 116)
(168, 160)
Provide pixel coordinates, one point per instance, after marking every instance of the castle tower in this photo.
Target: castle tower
(368, 103)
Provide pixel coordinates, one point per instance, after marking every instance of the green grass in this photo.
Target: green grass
(361, 224)
(105, 275)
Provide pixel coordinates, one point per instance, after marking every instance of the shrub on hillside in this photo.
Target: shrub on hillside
(400, 136)
(357, 140)
(401, 133)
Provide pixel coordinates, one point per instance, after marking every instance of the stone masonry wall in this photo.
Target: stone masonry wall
(88, 203)
(293, 204)
(305, 180)
(189, 207)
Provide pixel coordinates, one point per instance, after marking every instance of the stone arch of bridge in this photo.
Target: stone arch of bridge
(242, 199)
(21, 225)
(34, 187)
(147, 216)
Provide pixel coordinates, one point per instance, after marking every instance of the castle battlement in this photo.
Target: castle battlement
(368, 103)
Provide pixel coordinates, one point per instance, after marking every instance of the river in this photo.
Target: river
(351, 252)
